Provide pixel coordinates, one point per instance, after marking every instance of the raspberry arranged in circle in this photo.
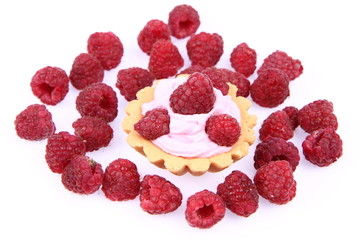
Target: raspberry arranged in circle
(270, 88)
(223, 129)
(158, 195)
(183, 21)
(243, 59)
(153, 30)
(275, 182)
(131, 80)
(50, 85)
(218, 78)
(239, 194)
(95, 132)
(317, 114)
(34, 123)
(204, 209)
(293, 113)
(322, 147)
(277, 124)
(154, 124)
(240, 81)
(86, 69)
(192, 69)
(205, 49)
(61, 148)
(82, 175)
(165, 59)
(98, 100)
(121, 180)
(275, 149)
(106, 47)
(195, 96)
(280, 60)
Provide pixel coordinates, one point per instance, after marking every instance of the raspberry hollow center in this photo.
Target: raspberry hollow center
(46, 89)
(185, 24)
(279, 157)
(104, 103)
(205, 211)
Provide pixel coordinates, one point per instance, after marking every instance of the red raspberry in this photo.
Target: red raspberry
(195, 96)
(86, 70)
(218, 78)
(240, 81)
(192, 69)
(107, 48)
(275, 182)
(154, 124)
(98, 100)
(270, 88)
(275, 149)
(60, 148)
(34, 123)
(243, 59)
(223, 129)
(204, 209)
(153, 31)
(205, 49)
(82, 175)
(285, 63)
(292, 112)
(50, 85)
(131, 80)
(165, 59)
(322, 147)
(121, 180)
(278, 125)
(239, 194)
(158, 195)
(183, 21)
(318, 114)
(95, 132)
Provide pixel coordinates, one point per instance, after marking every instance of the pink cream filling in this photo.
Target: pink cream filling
(187, 137)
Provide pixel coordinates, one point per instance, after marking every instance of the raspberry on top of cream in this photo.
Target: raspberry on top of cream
(187, 137)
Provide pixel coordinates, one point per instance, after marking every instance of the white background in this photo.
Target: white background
(323, 35)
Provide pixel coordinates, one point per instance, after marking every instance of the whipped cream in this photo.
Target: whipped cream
(187, 137)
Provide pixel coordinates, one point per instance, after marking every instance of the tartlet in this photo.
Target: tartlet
(180, 165)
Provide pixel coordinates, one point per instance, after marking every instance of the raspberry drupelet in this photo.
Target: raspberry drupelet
(50, 85)
(183, 21)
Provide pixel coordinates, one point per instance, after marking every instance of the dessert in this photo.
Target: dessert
(187, 147)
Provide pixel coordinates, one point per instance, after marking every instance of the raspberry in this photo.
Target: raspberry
(86, 69)
(292, 112)
(61, 148)
(195, 96)
(158, 195)
(275, 149)
(192, 69)
(154, 124)
(95, 132)
(317, 114)
(131, 80)
(240, 81)
(270, 88)
(165, 59)
(121, 180)
(82, 175)
(239, 194)
(218, 78)
(98, 100)
(278, 125)
(322, 147)
(153, 31)
(280, 60)
(50, 85)
(204, 209)
(243, 59)
(183, 21)
(223, 129)
(275, 182)
(107, 48)
(205, 49)
(34, 123)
